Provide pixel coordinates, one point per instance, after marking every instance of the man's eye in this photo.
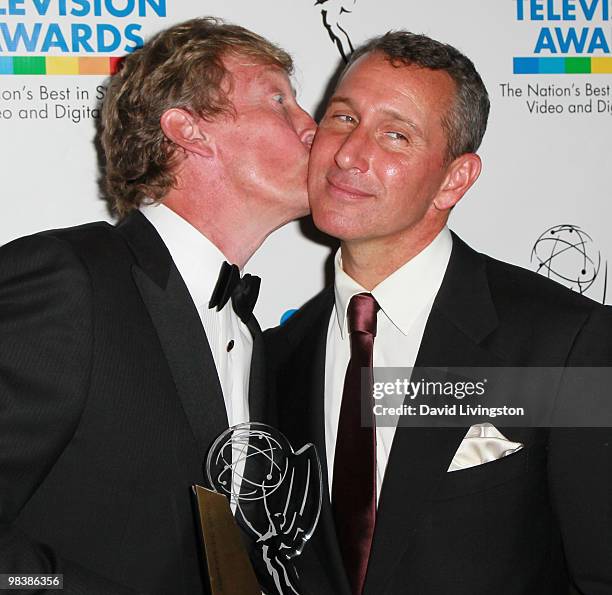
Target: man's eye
(279, 98)
(344, 118)
(396, 136)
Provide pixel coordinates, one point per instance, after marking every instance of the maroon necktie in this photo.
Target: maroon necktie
(354, 481)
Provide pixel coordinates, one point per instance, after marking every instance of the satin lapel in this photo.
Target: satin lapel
(258, 398)
(305, 421)
(462, 316)
(179, 329)
(326, 546)
(418, 460)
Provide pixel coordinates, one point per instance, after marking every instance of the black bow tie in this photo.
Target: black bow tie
(243, 291)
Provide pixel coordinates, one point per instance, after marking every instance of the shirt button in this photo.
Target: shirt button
(230, 345)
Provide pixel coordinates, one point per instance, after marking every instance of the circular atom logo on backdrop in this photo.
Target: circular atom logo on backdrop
(568, 255)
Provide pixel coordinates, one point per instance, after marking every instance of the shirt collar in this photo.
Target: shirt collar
(197, 259)
(406, 292)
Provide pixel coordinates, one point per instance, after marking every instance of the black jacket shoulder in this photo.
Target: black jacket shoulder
(303, 319)
(511, 283)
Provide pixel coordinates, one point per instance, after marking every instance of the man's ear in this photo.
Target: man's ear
(183, 129)
(460, 176)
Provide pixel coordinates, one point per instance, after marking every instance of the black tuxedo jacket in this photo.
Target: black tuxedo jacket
(528, 524)
(109, 401)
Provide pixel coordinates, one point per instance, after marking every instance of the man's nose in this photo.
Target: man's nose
(306, 128)
(352, 153)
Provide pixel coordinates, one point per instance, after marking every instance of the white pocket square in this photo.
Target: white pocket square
(482, 443)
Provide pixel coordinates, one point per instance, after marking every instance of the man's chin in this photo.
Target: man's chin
(336, 225)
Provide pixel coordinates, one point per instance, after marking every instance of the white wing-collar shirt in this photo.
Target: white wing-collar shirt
(405, 298)
(199, 261)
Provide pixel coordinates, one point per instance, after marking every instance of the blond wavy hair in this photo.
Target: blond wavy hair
(180, 67)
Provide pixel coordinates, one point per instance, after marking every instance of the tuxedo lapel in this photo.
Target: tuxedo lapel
(325, 544)
(418, 460)
(462, 316)
(179, 329)
(258, 397)
(305, 422)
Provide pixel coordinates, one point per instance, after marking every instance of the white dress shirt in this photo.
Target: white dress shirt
(199, 262)
(405, 299)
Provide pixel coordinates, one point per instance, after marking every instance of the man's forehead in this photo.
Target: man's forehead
(239, 64)
(380, 79)
(273, 73)
(395, 71)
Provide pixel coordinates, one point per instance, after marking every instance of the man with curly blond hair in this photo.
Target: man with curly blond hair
(123, 351)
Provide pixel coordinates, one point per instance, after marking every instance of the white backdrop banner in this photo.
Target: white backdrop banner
(544, 200)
